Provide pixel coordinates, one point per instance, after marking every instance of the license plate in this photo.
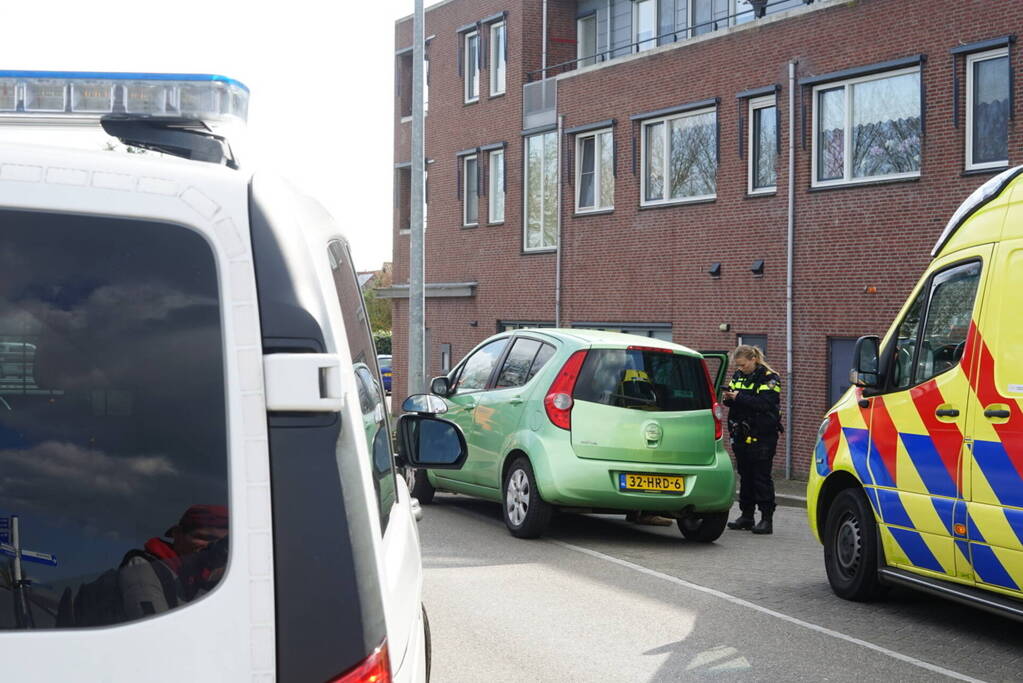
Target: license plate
(628, 481)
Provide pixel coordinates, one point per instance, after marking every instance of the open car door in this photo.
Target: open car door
(717, 364)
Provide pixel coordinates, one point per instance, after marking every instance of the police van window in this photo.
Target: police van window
(516, 365)
(948, 320)
(367, 376)
(113, 442)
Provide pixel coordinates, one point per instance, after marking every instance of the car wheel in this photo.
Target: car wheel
(850, 547)
(703, 528)
(525, 513)
(419, 485)
(429, 645)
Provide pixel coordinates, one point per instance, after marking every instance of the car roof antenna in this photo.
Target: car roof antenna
(180, 137)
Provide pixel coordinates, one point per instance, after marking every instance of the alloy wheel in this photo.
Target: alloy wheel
(517, 497)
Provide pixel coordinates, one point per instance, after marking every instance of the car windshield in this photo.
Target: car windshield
(643, 380)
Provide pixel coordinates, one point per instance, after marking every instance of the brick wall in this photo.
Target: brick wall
(649, 265)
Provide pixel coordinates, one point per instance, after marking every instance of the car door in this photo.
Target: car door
(499, 409)
(995, 519)
(472, 378)
(717, 367)
(917, 427)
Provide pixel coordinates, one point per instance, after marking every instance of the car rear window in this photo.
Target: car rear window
(113, 443)
(643, 380)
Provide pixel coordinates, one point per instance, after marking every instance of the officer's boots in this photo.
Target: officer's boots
(743, 522)
(764, 526)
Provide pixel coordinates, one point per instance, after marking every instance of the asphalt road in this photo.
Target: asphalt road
(599, 599)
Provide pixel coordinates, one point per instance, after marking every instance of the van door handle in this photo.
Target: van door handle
(990, 412)
(947, 412)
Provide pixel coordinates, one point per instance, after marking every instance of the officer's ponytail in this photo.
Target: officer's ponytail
(752, 352)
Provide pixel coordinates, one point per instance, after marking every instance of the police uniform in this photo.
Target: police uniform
(754, 421)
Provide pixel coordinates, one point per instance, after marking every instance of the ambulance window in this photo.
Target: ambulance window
(948, 320)
(905, 343)
(367, 377)
(113, 441)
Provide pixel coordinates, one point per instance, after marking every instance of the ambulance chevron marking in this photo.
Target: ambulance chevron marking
(916, 549)
(945, 507)
(974, 531)
(946, 442)
(858, 440)
(892, 509)
(884, 438)
(832, 434)
(1015, 520)
(989, 568)
(930, 465)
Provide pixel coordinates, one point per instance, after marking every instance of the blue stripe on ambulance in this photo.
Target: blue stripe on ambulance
(974, 531)
(929, 464)
(858, 440)
(916, 549)
(945, 508)
(1015, 520)
(892, 509)
(994, 462)
(989, 569)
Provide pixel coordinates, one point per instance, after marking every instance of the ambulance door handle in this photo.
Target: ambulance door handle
(947, 412)
(990, 412)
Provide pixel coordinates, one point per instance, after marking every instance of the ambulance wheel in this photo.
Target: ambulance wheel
(703, 528)
(850, 547)
(419, 485)
(526, 514)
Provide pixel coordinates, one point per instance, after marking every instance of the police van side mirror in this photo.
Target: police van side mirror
(865, 363)
(428, 442)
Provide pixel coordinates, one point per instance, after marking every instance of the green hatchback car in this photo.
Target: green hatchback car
(588, 421)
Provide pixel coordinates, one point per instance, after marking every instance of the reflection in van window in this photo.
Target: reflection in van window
(367, 376)
(948, 320)
(643, 380)
(113, 444)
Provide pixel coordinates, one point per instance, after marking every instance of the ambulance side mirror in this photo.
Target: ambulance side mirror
(865, 363)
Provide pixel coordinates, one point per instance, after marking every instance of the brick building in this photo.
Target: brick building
(657, 143)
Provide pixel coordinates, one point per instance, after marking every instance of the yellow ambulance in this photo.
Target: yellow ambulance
(917, 477)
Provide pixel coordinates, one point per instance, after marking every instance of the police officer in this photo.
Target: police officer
(754, 421)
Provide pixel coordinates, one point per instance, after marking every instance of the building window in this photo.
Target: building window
(586, 40)
(840, 361)
(506, 325)
(594, 182)
(680, 158)
(757, 340)
(470, 191)
(987, 109)
(644, 24)
(445, 358)
(541, 210)
(405, 199)
(498, 36)
(763, 144)
(471, 67)
(405, 85)
(496, 190)
(660, 331)
(867, 129)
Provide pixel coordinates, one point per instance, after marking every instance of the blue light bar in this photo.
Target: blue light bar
(205, 97)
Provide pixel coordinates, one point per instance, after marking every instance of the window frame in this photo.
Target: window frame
(525, 194)
(470, 65)
(497, 54)
(971, 60)
(466, 188)
(666, 142)
(580, 138)
(583, 60)
(651, 42)
(755, 104)
(847, 84)
(496, 157)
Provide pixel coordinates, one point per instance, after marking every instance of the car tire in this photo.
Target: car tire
(850, 547)
(419, 485)
(703, 528)
(526, 514)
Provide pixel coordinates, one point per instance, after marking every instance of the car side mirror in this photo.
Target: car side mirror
(424, 404)
(865, 363)
(440, 386)
(429, 442)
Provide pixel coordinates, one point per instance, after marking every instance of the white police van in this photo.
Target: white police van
(196, 473)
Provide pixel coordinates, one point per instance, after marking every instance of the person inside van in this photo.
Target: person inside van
(754, 421)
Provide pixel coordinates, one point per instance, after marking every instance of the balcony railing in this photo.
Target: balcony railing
(539, 104)
(760, 9)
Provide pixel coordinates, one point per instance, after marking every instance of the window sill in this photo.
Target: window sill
(592, 212)
(761, 193)
(497, 223)
(669, 205)
(984, 171)
(495, 95)
(466, 103)
(470, 226)
(405, 231)
(864, 183)
(534, 252)
(406, 119)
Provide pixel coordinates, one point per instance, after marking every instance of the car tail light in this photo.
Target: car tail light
(374, 669)
(558, 401)
(716, 409)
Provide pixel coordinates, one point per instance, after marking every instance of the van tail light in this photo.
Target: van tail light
(374, 669)
(716, 409)
(558, 401)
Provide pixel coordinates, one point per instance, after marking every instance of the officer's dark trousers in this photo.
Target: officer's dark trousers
(756, 488)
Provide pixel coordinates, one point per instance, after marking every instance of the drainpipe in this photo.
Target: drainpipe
(543, 54)
(557, 255)
(789, 247)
